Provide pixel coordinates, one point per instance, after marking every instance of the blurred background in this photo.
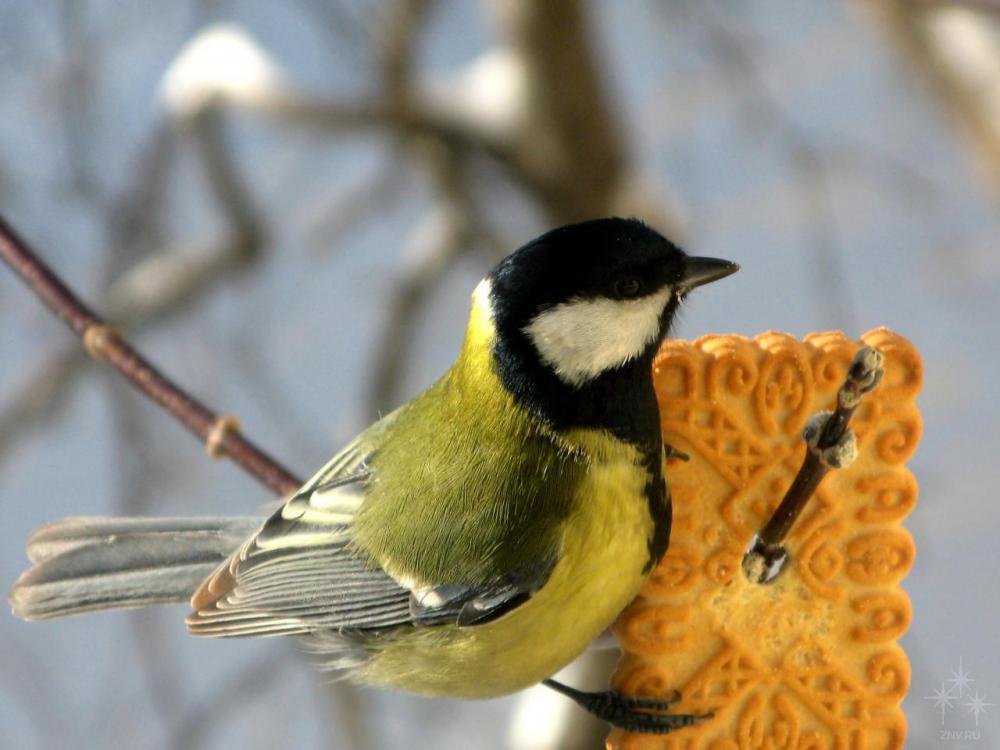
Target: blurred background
(286, 206)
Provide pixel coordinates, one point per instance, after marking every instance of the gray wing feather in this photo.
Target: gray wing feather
(475, 605)
(300, 573)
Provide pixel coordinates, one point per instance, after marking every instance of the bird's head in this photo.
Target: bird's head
(590, 298)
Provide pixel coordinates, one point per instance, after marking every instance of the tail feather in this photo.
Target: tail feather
(91, 564)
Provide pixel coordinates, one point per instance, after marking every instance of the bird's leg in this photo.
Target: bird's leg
(671, 452)
(622, 711)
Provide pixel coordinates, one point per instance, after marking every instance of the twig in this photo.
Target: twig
(397, 48)
(345, 25)
(164, 282)
(831, 446)
(104, 343)
(181, 276)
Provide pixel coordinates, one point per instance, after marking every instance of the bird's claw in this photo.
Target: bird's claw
(641, 701)
(630, 712)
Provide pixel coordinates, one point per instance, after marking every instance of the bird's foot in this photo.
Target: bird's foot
(629, 712)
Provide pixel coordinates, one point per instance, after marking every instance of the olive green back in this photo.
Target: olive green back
(466, 486)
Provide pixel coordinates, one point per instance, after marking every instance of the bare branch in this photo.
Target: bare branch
(986, 6)
(104, 343)
(350, 719)
(765, 557)
(350, 35)
(164, 282)
(76, 95)
(448, 231)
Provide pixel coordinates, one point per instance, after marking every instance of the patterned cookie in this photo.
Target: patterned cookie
(811, 660)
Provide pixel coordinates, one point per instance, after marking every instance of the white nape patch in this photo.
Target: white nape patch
(582, 338)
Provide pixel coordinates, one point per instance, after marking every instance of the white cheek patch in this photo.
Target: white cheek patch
(582, 338)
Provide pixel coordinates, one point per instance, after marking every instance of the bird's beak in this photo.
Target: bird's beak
(698, 271)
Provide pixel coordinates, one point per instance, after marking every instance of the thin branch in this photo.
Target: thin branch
(181, 275)
(350, 714)
(105, 344)
(76, 98)
(224, 181)
(766, 556)
(164, 282)
(397, 49)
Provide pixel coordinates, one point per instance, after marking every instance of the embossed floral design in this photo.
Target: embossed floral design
(811, 661)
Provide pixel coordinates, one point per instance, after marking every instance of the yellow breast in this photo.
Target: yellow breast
(600, 570)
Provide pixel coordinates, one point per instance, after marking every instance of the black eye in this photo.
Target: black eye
(628, 287)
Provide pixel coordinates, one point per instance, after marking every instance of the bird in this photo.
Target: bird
(470, 543)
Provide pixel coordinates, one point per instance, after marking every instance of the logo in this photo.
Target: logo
(962, 707)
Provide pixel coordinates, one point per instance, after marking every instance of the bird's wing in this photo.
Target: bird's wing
(467, 605)
(301, 574)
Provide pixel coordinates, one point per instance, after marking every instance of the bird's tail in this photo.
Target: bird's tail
(91, 564)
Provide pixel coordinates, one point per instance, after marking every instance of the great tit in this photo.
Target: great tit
(474, 541)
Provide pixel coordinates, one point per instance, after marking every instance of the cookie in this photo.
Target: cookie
(811, 660)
